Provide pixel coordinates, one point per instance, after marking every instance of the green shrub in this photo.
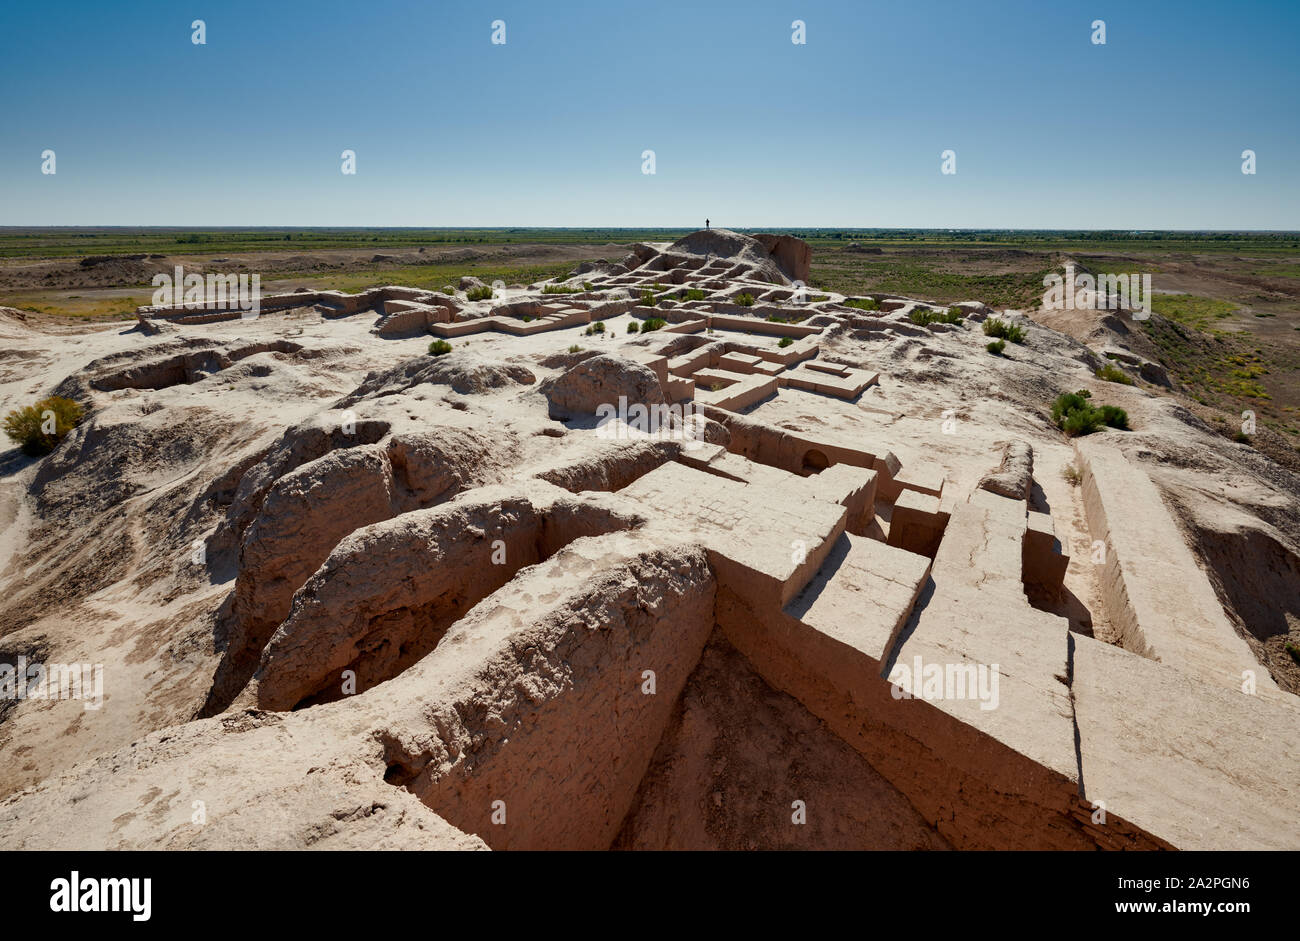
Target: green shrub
(866, 303)
(745, 300)
(652, 323)
(439, 347)
(558, 289)
(586, 285)
(598, 326)
(693, 294)
(1114, 416)
(479, 294)
(575, 348)
(1002, 330)
(996, 347)
(1075, 415)
(1080, 423)
(925, 316)
(1113, 374)
(37, 429)
(647, 298)
(633, 327)
(785, 341)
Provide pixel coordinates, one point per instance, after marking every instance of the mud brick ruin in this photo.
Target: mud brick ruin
(442, 605)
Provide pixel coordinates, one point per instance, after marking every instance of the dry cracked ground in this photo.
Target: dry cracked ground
(856, 591)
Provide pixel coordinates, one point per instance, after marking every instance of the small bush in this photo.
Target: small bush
(1071, 475)
(745, 300)
(652, 323)
(1075, 415)
(866, 303)
(1113, 374)
(575, 348)
(439, 347)
(647, 298)
(693, 294)
(1002, 330)
(633, 327)
(785, 341)
(586, 285)
(1240, 437)
(558, 289)
(996, 347)
(1115, 417)
(479, 294)
(925, 316)
(1076, 424)
(598, 326)
(38, 429)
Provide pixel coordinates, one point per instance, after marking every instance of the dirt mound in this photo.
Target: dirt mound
(750, 252)
(600, 381)
(466, 373)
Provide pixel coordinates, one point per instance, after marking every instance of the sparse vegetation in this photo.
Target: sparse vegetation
(1072, 475)
(439, 347)
(1002, 330)
(481, 293)
(560, 289)
(1112, 373)
(652, 323)
(996, 347)
(647, 298)
(1074, 414)
(575, 348)
(38, 429)
(785, 341)
(745, 300)
(693, 294)
(865, 303)
(924, 316)
(586, 285)
(1192, 311)
(633, 327)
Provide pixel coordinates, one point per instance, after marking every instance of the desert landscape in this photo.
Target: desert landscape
(708, 539)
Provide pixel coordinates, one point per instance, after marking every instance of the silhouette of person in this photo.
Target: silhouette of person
(706, 223)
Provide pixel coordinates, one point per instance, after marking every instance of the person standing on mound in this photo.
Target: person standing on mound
(706, 223)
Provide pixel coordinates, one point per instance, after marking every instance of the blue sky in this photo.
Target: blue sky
(748, 129)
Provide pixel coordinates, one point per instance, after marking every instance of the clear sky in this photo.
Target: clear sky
(748, 129)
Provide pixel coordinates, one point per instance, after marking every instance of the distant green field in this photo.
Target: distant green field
(1198, 312)
(58, 242)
